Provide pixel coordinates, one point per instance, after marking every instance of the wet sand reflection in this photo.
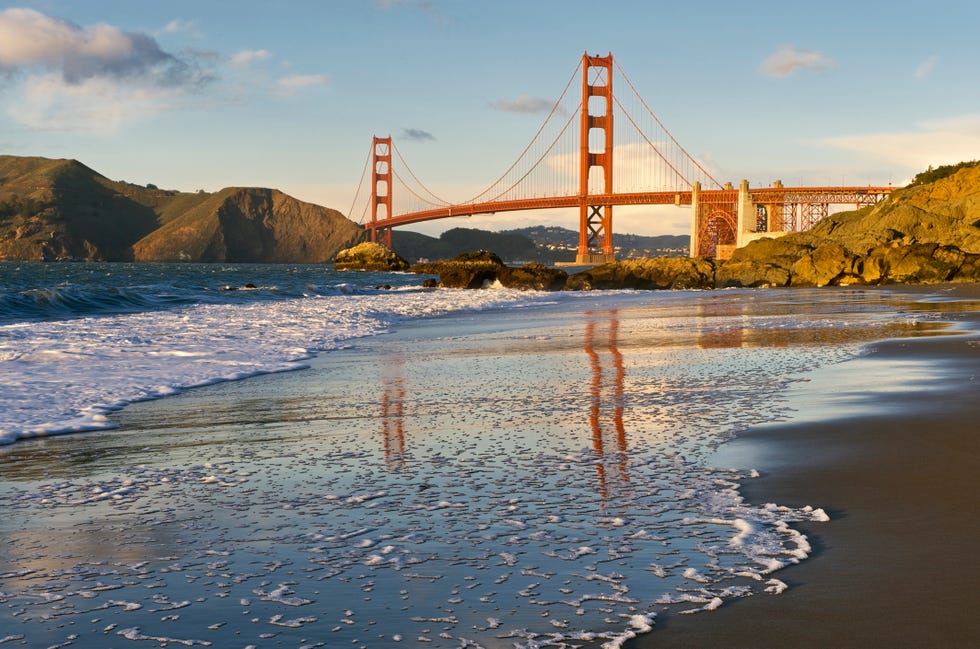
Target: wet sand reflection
(393, 412)
(607, 401)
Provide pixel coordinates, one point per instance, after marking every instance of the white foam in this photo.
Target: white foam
(66, 376)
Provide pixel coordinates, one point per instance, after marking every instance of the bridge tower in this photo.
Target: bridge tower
(595, 244)
(381, 187)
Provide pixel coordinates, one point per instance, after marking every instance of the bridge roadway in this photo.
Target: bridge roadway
(858, 196)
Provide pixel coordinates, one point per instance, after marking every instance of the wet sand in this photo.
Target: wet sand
(897, 467)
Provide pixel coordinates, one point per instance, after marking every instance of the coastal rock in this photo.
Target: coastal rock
(469, 270)
(532, 277)
(369, 256)
(924, 233)
(646, 274)
(750, 274)
(828, 263)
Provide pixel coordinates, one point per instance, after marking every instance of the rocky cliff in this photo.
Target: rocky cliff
(63, 210)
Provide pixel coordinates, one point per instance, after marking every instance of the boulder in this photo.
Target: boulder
(469, 270)
(827, 264)
(532, 277)
(369, 256)
(646, 274)
(750, 274)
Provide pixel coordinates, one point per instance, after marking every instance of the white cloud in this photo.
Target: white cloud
(292, 84)
(789, 59)
(925, 68)
(96, 105)
(31, 41)
(524, 104)
(934, 142)
(246, 57)
(61, 76)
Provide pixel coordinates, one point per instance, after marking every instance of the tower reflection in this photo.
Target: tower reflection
(392, 413)
(607, 401)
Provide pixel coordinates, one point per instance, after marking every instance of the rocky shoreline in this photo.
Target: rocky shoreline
(925, 233)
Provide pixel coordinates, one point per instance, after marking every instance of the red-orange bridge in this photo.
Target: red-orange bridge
(569, 163)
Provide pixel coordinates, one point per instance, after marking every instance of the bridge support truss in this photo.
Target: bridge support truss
(595, 243)
(381, 188)
(726, 219)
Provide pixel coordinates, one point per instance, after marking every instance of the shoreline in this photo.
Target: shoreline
(897, 468)
(294, 454)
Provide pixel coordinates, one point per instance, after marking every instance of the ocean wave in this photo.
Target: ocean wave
(70, 301)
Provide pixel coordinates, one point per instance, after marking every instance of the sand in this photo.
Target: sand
(898, 470)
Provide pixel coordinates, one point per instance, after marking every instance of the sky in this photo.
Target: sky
(288, 93)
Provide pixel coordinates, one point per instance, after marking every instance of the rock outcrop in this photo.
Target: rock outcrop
(656, 273)
(482, 268)
(532, 277)
(469, 270)
(369, 256)
(924, 233)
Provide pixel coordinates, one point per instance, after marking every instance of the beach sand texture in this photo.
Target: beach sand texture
(889, 445)
(473, 477)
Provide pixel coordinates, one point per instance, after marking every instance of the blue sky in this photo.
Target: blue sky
(287, 94)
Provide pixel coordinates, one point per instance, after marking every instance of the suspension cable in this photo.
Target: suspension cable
(652, 145)
(533, 139)
(420, 183)
(357, 193)
(659, 123)
(409, 189)
(542, 157)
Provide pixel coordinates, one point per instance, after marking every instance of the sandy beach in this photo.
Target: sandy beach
(890, 446)
(512, 477)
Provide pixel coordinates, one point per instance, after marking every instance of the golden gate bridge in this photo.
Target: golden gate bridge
(569, 163)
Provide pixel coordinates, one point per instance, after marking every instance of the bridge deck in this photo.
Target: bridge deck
(831, 195)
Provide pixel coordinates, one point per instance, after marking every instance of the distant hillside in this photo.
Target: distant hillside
(564, 243)
(414, 246)
(63, 210)
(543, 244)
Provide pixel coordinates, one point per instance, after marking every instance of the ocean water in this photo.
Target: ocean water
(78, 341)
(460, 468)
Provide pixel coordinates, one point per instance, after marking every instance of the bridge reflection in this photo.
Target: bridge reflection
(601, 345)
(393, 412)
(606, 405)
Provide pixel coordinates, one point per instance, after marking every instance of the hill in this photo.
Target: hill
(543, 244)
(63, 210)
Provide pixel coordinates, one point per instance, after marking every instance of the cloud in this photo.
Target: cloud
(31, 41)
(246, 57)
(59, 76)
(524, 104)
(934, 142)
(293, 84)
(176, 26)
(417, 135)
(925, 68)
(97, 105)
(788, 60)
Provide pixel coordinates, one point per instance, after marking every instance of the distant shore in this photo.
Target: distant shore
(898, 470)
